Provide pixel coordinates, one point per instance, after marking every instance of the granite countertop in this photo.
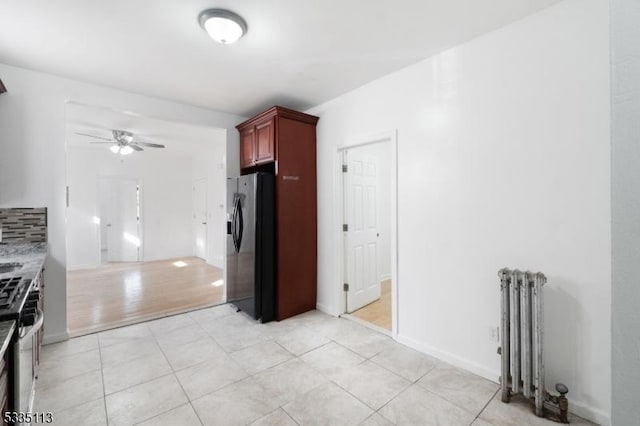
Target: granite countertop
(30, 255)
(6, 331)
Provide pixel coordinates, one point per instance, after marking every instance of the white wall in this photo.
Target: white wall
(625, 20)
(211, 166)
(503, 160)
(166, 202)
(32, 164)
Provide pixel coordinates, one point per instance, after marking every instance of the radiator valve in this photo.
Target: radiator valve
(560, 403)
(563, 403)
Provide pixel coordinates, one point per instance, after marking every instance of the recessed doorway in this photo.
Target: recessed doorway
(368, 241)
(145, 218)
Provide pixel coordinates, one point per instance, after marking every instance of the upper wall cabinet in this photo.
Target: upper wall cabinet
(248, 147)
(260, 135)
(257, 143)
(265, 151)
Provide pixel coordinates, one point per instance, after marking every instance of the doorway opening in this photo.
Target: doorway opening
(145, 226)
(369, 232)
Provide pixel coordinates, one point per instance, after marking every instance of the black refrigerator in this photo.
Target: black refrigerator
(251, 245)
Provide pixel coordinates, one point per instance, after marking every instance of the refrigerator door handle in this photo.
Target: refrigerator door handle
(240, 225)
(234, 219)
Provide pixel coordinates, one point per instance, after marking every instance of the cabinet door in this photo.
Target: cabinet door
(265, 151)
(247, 147)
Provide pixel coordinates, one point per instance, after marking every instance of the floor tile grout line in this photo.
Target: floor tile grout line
(196, 411)
(186, 395)
(485, 406)
(453, 403)
(68, 355)
(104, 390)
(367, 405)
(402, 377)
(45, 387)
(159, 414)
(141, 383)
(146, 382)
(101, 398)
(288, 415)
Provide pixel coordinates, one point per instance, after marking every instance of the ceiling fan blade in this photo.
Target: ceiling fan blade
(135, 147)
(150, 145)
(94, 136)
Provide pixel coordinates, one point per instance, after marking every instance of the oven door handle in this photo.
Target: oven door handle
(37, 325)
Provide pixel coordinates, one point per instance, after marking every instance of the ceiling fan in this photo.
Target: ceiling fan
(123, 142)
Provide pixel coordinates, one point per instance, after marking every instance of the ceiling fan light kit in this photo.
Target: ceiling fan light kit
(122, 150)
(222, 25)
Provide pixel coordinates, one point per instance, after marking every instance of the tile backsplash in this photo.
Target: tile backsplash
(23, 225)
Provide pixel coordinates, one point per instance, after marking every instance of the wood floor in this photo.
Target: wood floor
(117, 294)
(378, 312)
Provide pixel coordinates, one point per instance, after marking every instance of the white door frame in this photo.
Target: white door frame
(206, 216)
(390, 137)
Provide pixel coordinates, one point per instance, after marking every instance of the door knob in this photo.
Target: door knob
(108, 225)
(204, 223)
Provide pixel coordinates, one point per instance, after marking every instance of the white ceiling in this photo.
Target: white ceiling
(297, 53)
(179, 138)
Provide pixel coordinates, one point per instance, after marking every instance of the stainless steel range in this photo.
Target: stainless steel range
(19, 299)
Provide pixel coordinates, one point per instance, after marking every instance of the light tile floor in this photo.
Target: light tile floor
(217, 367)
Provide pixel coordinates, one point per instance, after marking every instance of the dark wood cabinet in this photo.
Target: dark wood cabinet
(247, 147)
(265, 136)
(284, 141)
(257, 144)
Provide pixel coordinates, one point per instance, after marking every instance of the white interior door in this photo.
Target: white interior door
(122, 220)
(361, 192)
(200, 218)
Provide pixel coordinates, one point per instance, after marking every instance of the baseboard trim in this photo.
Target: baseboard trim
(175, 256)
(475, 368)
(54, 338)
(324, 308)
(581, 409)
(577, 408)
(80, 267)
(216, 261)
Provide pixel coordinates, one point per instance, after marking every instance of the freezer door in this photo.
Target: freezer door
(232, 255)
(241, 244)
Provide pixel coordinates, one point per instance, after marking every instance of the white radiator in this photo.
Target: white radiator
(522, 328)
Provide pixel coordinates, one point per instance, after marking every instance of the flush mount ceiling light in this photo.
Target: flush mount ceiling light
(222, 25)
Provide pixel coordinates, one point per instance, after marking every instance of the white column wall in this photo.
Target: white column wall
(503, 160)
(625, 25)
